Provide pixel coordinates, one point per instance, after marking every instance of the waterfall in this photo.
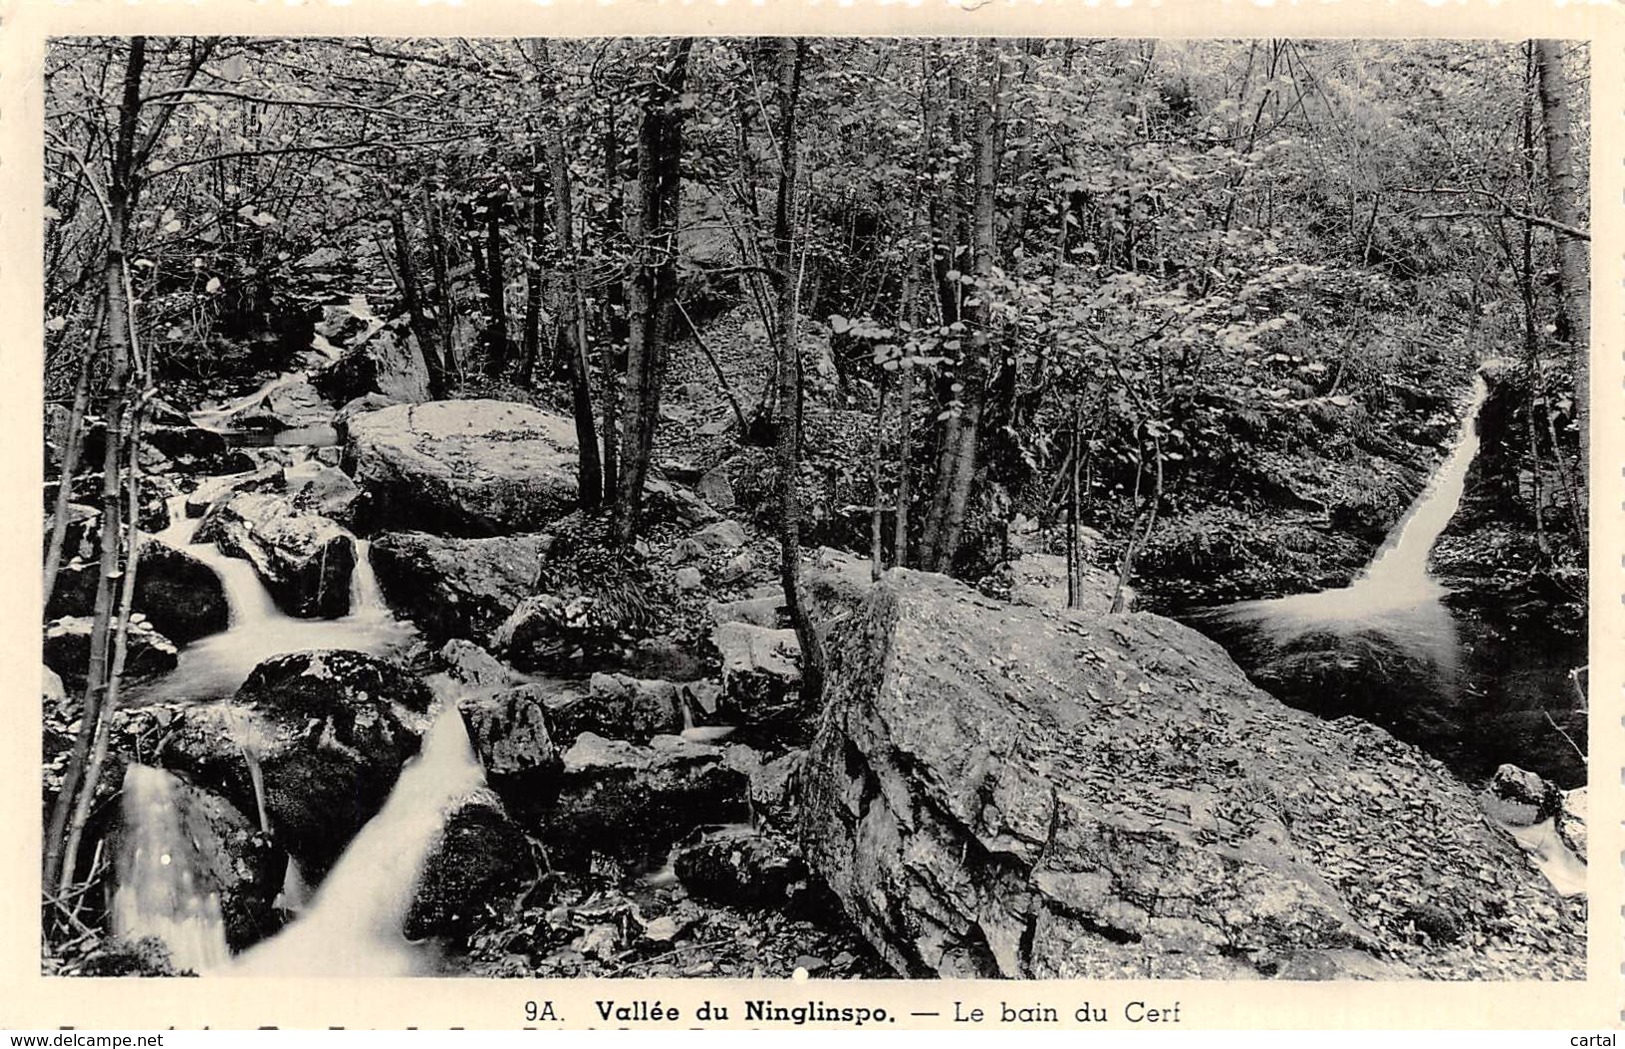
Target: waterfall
(1394, 592)
(1400, 569)
(162, 888)
(213, 667)
(366, 599)
(353, 925)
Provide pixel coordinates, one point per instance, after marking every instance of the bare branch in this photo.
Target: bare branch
(1504, 209)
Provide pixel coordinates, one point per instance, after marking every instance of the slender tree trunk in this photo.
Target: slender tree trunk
(423, 329)
(877, 512)
(1531, 337)
(535, 274)
(716, 366)
(444, 302)
(1566, 172)
(496, 305)
(788, 452)
(573, 319)
(115, 676)
(654, 282)
(1074, 573)
(616, 328)
(905, 412)
(960, 436)
(121, 195)
(1138, 540)
(72, 444)
(619, 320)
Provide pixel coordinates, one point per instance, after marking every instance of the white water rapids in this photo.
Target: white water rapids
(353, 924)
(213, 667)
(352, 927)
(1395, 593)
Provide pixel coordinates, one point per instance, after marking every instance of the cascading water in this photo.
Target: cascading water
(1385, 648)
(1388, 649)
(1395, 589)
(162, 891)
(213, 667)
(353, 925)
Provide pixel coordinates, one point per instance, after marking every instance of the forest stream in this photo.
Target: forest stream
(1063, 544)
(1388, 649)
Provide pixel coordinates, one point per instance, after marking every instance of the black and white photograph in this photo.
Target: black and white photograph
(833, 508)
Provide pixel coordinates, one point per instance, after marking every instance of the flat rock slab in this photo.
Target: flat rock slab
(469, 468)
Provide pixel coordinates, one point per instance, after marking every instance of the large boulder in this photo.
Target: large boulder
(1002, 791)
(180, 596)
(328, 731)
(382, 364)
(632, 802)
(67, 650)
(304, 560)
(479, 857)
(289, 403)
(745, 870)
(264, 476)
(346, 326)
(176, 846)
(720, 537)
(620, 707)
(471, 468)
(314, 487)
(471, 668)
(188, 444)
(761, 676)
(456, 588)
(510, 732)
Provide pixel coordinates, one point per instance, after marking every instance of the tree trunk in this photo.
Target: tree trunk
(957, 463)
(121, 194)
(1137, 541)
(70, 454)
(121, 646)
(442, 283)
(1074, 573)
(531, 338)
(787, 458)
(1565, 168)
(905, 410)
(877, 513)
(653, 286)
(573, 319)
(496, 305)
(1531, 336)
(619, 319)
(423, 328)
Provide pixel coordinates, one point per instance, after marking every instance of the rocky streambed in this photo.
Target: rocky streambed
(630, 784)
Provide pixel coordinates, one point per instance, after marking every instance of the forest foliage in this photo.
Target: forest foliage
(1144, 291)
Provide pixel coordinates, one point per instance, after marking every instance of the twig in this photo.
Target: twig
(674, 952)
(1567, 737)
(699, 340)
(1506, 210)
(56, 902)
